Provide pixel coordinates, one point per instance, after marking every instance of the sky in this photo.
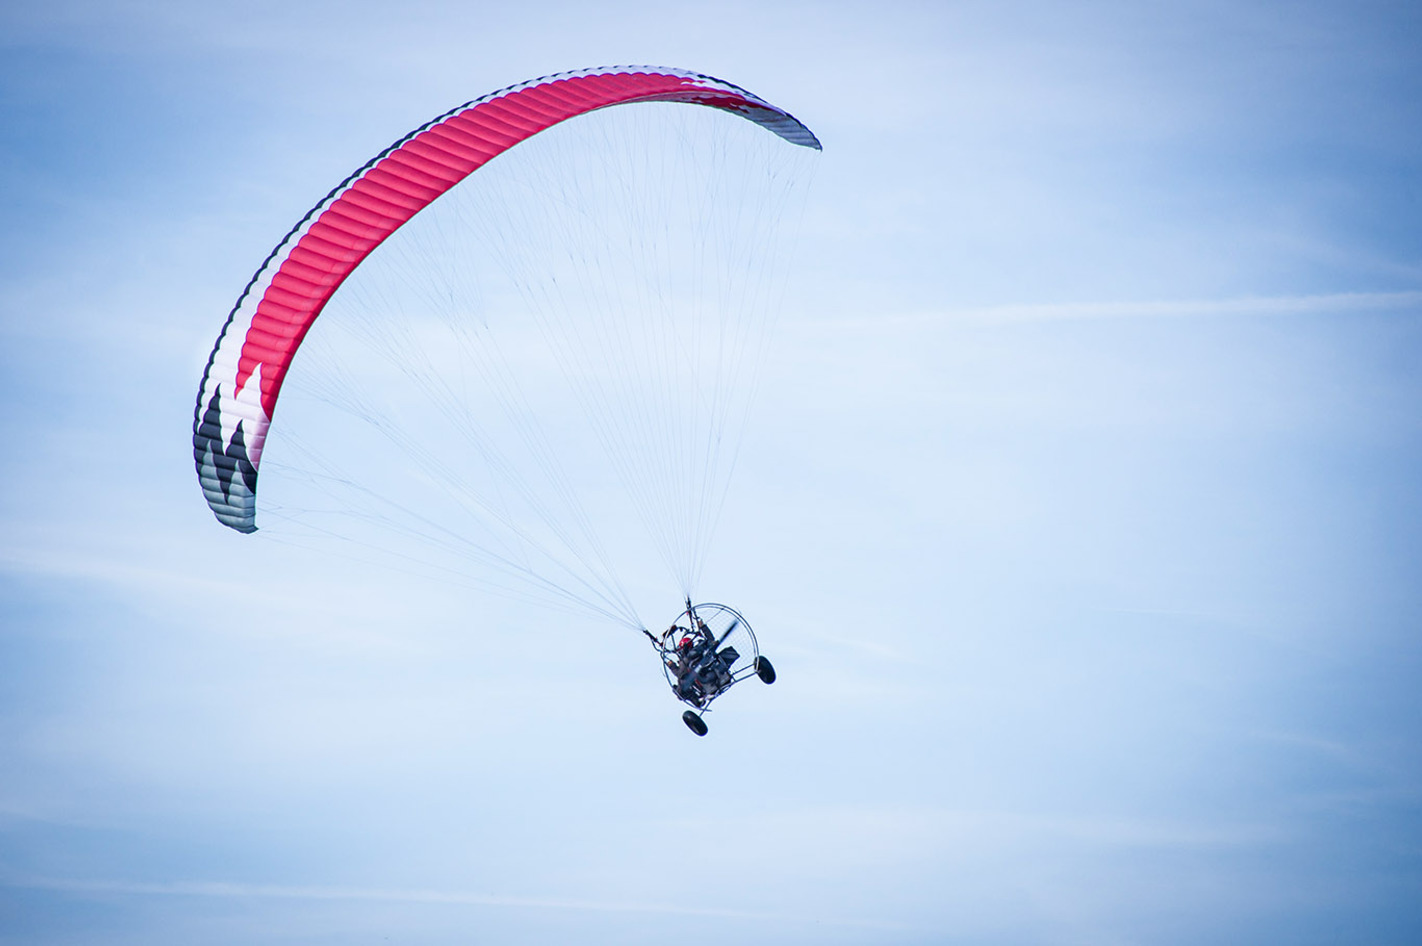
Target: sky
(1078, 513)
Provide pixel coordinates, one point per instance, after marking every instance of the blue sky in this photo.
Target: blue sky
(1079, 515)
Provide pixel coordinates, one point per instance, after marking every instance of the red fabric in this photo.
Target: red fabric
(407, 180)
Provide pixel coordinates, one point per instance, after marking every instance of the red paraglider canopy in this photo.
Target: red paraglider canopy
(245, 373)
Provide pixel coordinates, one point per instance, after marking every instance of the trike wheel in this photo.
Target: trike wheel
(694, 722)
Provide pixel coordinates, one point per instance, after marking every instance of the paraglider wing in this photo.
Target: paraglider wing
(245, 372)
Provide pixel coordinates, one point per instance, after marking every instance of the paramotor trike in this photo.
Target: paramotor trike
(707, 650)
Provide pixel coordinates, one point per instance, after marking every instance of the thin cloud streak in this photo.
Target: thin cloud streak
(1338, 303)
(217, 889)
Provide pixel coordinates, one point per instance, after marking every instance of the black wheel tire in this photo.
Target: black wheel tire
(764, 670)
(693, 722)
